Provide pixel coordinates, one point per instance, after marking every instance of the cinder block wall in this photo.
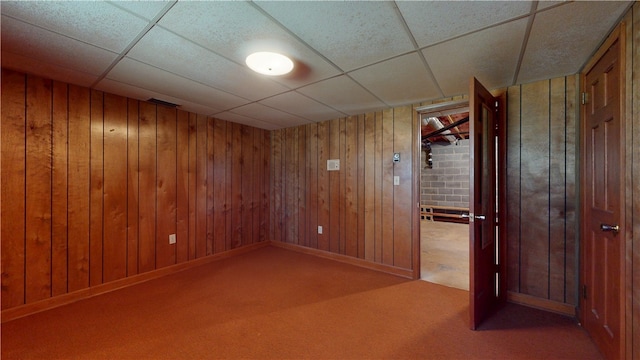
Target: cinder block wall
(447, 183)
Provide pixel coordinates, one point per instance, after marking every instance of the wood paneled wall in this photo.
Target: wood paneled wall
(362, 213)
(93, 184)
(541, 189)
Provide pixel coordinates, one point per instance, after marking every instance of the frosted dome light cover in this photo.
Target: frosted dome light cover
(269, 63)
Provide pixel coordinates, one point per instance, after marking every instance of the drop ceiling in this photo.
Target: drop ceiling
(350, 57)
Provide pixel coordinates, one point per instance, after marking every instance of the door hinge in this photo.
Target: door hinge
(584, 98)
(584, 292)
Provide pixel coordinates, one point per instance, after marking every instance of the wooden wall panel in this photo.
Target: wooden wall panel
(357, 205)
(535, 176)
(541, 195)
(350, 238)
(12, 162)
(59, 188)
(79, 187)
(246, 169)
(201, 187)
(115, 188)
(402, 198)
(276, 189)
(210, 185)
(93, 184)
(220, 206)
(133, 216)
(38, 189)
(182, 186)
(147, 153)
(323, 185)
(234, 136)
(193, 183)
(166, 186)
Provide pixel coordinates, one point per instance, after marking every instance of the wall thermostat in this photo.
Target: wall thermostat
(396, 157)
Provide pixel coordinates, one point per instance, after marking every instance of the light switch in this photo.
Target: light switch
(396, 180)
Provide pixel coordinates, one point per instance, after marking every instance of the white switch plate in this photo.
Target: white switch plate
(172, 239)
(319, 229)
(396, 180)
(333, 164)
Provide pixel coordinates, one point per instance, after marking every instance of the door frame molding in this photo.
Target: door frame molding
(618, 34)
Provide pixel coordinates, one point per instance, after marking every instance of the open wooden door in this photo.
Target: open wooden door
(486, 250)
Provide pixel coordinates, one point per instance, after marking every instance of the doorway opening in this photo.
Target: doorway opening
(444, 194)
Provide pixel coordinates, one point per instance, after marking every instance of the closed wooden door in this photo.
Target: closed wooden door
(603, 240)
(484, 247)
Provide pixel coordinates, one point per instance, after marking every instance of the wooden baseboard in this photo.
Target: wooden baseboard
(543, 304)
(42, 305)
(406, 273)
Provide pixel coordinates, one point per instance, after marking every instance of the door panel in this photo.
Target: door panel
(483, 244)
(603, 248)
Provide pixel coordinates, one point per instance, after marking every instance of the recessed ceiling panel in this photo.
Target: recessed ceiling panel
(34, 42)
(302, 106)
(350, 33)
(270, 115)
(171, 52)
(562, 40)
(490, 55)
(244, 120)
(135, 73)
(93, 22)
(344, 95)
(434, 21)
(236, 29)
(133, 92)
(145, 9)
(46, 69)
(400, 81)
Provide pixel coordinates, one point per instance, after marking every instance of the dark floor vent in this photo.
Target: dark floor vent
(161, 102)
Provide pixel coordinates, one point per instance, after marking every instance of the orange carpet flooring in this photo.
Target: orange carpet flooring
(274, 303)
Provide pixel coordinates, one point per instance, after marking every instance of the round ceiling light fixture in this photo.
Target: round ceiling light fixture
(269, 63)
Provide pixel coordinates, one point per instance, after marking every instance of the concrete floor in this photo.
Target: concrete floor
(444, 253)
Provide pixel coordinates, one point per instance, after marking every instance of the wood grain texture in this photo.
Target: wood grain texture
(513, 188)
(302, 237)
(570, 192)
(210, 199)
(201, 187)
(312, 184)
(220, 186)
(350, 237)
(535, 177)
(387, 235)
(96, 200)
(323, 185)
(60, 128)
(12, 164)
(79, 188)
(335, 187)
(182, 186)
(633, 109)
(38, 189)
(133, 215)
(115, 188)
(361, 186)
(403, 194)
(379, 211)
(93, 184)
(147, 138)
(234, 136)
(276, 189)
(369, 186)
(166, 186)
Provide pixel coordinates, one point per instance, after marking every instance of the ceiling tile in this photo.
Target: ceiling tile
(46, 69)
(434, 21)
(236, 29)
(561, 43)
(400, 81)
(133, 92)
(351, 34)
(135, 73)
(168, 51)
(241, 119)
(29, 41)
(79, 20)
(344, 95)
(302, 106)
(146, 9)
(270, 115)
(454, 62)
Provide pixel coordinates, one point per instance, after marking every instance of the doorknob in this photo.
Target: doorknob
(605, 227)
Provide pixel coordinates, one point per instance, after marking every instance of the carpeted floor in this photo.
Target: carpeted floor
(274, 303)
